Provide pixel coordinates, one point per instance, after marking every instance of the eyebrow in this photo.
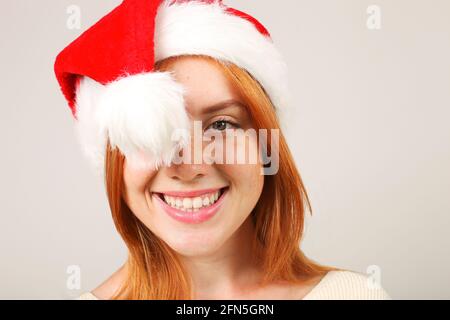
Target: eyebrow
(222, 105)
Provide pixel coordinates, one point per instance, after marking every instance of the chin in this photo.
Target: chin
(195, 242)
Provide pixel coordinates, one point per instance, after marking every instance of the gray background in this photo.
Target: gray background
(368, 127)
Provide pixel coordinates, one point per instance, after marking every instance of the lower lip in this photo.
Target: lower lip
(199, 216)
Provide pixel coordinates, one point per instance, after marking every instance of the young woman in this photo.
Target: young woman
(209, 230)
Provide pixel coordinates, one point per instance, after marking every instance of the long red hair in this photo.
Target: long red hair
(153, 270)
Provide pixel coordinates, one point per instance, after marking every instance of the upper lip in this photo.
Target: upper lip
(192, 193)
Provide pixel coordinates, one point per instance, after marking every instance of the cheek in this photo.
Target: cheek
(135, 179)
(136, 182)
(247, 184)
(246, 177)
(245, 174)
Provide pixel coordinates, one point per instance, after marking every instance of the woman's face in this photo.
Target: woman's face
(186, 187)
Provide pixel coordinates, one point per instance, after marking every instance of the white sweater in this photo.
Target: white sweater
(335, 285)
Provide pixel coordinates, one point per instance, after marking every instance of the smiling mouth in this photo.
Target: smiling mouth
(183, 202)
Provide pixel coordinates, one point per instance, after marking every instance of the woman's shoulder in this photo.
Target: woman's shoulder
(87, 296)
(108, 288)
(347, 285)
(335, 285)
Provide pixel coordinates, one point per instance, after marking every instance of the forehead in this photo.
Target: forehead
(205, 83)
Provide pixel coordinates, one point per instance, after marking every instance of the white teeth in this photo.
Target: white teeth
(197, 202)
(192, 204)
(187, 203)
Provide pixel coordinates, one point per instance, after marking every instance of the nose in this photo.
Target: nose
(187, 172)
(190, 171)
(195, 168)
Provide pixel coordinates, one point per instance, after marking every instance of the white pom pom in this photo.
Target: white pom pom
(142, 115)
(92, 140)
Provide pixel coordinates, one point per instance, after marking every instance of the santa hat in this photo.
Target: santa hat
(107, 74)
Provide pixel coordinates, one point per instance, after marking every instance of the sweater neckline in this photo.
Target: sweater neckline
(310, 293)
(318, 285)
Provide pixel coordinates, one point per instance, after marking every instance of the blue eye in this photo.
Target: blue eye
(222, 125)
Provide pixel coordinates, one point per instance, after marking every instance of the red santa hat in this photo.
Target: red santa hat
(107, 74)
